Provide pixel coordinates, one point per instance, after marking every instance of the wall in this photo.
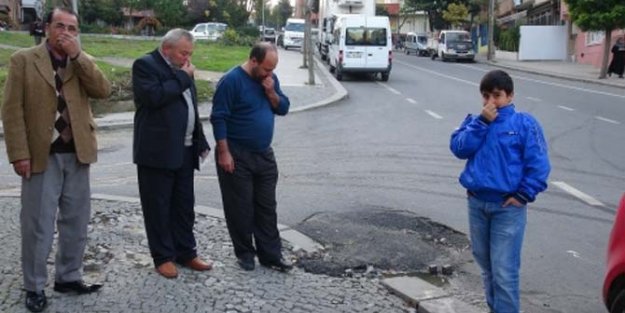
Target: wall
(592, 53)
(543, 43)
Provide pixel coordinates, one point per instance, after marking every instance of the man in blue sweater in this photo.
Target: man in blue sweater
(507, 166)
(244, 105)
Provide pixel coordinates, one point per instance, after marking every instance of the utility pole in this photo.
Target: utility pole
(262, 2)
(491, 30)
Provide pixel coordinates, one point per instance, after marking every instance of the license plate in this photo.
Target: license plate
(354, 54)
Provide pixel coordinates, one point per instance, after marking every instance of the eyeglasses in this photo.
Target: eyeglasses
(61, 26)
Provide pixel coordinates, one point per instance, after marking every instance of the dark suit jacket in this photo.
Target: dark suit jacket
(161, 114)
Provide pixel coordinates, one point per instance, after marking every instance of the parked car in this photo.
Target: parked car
(417, 43)
(208, 31)
(614, 282)
(268, 34)
(454, 45)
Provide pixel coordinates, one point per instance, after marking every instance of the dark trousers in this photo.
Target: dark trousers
(249, 199)
(167, 199)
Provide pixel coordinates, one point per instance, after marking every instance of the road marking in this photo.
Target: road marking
(437, 73)
(413, 101)
(433, 114)
(550, 83)
(575, 254)
(389, 88)
(533, 99)
(577, 193)
(565, 108)
(607, 120)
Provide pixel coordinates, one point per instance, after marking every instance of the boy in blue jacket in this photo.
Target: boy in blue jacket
(507, 166)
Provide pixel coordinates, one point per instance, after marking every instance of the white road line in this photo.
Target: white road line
(548, 83)
(433, 114)
(607, 120)
(389, 88)
(437, 73)
(577, 193)
(413, 101)
(533, 99)
(566, 108)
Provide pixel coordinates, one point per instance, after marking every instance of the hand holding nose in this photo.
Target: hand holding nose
(489, 111)
(69, 44)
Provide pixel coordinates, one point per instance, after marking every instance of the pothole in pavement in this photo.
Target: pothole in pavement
(382, 241)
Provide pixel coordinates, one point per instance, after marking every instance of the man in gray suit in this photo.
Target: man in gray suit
(50, 139)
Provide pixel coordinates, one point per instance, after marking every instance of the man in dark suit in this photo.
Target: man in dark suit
(168, 143)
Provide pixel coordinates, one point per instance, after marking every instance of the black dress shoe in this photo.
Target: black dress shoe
(78, 287)
(36, 301)
(246, 264)
(281, 265)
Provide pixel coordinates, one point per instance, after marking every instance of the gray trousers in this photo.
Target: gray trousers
(63, 185)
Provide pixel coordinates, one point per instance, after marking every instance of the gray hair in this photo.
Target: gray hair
(174, 35)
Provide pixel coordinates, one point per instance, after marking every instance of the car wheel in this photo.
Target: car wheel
(385, 76)
(407, 52)
(618, 305)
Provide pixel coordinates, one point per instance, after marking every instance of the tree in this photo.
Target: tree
(170, 12)
(380, 10)
(456, 14)
(434, 10)
(604, 15)
(285, 11)
(108, 11)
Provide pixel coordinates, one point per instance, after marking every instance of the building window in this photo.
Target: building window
(593, 38)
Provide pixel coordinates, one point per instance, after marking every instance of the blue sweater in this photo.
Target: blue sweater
(507, 157)
(242, 113)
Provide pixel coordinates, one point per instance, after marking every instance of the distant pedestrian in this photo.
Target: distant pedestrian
(507, 166)
(617, 65)
(168, 143)
(51, 140)
(37, 30)
(244, 105)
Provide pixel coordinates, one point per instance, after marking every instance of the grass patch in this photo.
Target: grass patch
(207, 56)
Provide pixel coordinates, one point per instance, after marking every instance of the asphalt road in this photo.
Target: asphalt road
(385, 148)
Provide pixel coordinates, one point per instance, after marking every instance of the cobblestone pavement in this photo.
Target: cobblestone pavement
(117, 255)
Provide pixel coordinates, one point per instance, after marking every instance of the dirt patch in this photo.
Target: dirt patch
(382, 240)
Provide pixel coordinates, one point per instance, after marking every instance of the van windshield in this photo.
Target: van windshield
(365, 36)
(294, 27)
(458, 37)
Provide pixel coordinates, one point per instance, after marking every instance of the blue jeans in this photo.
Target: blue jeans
(496, 240)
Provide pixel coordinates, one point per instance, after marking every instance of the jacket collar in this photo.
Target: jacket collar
(43, 64)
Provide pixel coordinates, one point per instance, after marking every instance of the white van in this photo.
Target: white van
(455, 45)
(294, 33)
(417, 44)
(361, 44)
(208, 31)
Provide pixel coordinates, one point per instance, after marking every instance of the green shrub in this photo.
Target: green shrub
(95, 29)
(509, 39)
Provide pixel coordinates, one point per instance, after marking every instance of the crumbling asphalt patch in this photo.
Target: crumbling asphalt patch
(381, 239)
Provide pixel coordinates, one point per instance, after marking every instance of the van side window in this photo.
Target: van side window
(442, 37)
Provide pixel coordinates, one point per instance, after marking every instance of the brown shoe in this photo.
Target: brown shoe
(167, 270)
(198, 265)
